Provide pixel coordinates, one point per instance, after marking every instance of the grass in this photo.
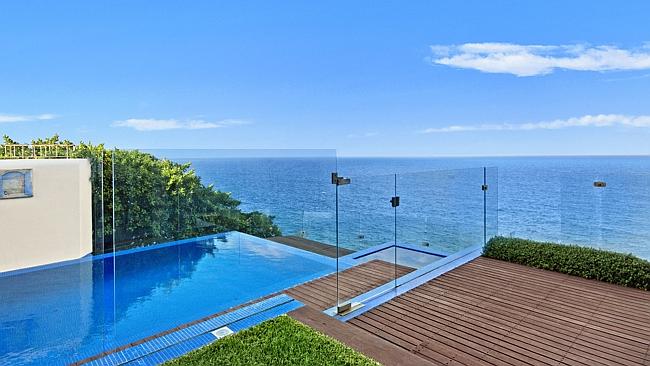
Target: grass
(279, 341)
(621, 269)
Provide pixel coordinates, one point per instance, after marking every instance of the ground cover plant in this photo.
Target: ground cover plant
(280, 341)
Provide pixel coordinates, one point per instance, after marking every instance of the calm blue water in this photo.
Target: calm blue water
(542, 198)
(71, 312)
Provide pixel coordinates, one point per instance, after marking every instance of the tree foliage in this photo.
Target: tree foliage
(155, 200)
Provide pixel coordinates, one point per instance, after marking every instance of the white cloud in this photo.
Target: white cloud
(152, 124)
(600, 120)
(11, 118)
(532, 60)
(233, 122)
(200, 125)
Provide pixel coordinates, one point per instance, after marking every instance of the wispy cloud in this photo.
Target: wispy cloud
(532, 60)
(152, 124)
(12, 118)
(600, 120)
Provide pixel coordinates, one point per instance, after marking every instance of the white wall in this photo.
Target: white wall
(56, 223)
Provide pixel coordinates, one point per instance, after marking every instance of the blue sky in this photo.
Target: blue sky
(369, 78)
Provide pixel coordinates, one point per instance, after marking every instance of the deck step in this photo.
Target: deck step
(177, 343)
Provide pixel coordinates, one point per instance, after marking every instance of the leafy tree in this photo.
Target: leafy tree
(155, 200)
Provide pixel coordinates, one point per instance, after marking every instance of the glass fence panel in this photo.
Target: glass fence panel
(491, 195)
(192, 226)
(581, 209)
(440, 213)
(530, 200)
(101, 169)
(52, 292)
(366, 237)
(290, 185)
(145, 199)
(597, 202)
(625, 213)
(607, 211)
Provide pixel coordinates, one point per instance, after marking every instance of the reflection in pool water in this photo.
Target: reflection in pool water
(74, 311)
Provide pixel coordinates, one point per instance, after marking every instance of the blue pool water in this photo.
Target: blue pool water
(60, 314)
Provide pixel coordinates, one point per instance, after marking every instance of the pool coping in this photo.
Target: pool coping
(91, 257)
(155, 346)
(353, 259)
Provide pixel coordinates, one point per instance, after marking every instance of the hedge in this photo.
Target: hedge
(617, 268)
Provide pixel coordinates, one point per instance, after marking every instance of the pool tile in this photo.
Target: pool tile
(179, 342)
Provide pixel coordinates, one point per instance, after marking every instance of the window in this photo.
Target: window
(15, 183)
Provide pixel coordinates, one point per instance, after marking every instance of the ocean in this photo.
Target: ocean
(442, 204)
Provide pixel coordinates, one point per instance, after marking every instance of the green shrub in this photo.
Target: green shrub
(621, 269)
(280, 341)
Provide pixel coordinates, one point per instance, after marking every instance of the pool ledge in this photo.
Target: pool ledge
(408, 282)
(157, 350)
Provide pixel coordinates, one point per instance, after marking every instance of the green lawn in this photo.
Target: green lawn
(280, 341)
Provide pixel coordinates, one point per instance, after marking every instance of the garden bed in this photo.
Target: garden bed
(279, 341)
(617, 268)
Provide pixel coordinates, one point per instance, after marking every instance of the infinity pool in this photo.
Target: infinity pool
(64, 313)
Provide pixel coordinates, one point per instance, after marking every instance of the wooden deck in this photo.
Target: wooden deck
(490, 312)
(321, 293)
(379, 349)
(311, 245)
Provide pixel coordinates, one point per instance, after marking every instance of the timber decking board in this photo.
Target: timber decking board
(311, 245)
(376, 348)
(321, 293)
(490, 312)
